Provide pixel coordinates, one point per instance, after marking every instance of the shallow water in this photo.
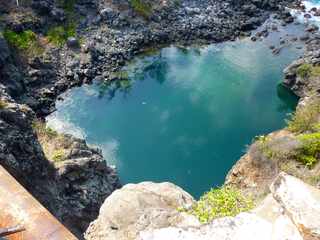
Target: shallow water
(186, 115)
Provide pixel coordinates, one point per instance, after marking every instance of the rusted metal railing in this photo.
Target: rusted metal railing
(22, 217)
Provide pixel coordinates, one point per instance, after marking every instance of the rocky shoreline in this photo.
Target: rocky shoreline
(110, 34)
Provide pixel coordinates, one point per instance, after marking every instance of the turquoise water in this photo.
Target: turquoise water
(187, 115)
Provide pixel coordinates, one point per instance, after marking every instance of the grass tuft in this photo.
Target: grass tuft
(141, 8)
(307, 70)
(305, 118)
(43, 130)
(221, 202)
(58, 155)
(309, 152)
(59, 35)
(26, 41)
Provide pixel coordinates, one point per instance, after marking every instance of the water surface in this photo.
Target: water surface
(186, 115)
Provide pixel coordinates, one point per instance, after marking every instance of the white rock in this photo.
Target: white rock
(137, 207)
(301, 203)
(245, 226)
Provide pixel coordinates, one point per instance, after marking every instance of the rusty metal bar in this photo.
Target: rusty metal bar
(17, 206)
(11, 230)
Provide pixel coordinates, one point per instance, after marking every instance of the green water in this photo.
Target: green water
(187, 115)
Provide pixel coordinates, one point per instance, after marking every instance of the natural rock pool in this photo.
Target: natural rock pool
(186, 115)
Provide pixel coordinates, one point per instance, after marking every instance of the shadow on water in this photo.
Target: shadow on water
(288, 99)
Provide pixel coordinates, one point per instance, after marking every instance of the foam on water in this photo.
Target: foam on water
(308, 6)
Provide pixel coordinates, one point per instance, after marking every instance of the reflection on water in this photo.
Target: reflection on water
(183, 115)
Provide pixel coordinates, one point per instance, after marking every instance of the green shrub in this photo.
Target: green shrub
(304, 70)
(58, 155)
(307, 70)
(310, 149)
(305, 118)
(141, 8)
(58, 35)
(26, 41)
(221, 202)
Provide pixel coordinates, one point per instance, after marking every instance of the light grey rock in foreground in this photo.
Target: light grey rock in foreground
(139, 207)
(301, 202)
(148, 211)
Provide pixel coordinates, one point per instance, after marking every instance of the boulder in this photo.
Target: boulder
(245, 226)
(72, 42)
(139, 207)
(301, 202)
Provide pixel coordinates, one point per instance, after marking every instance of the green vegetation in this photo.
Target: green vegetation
(67, 5)
(304, 70)
(263, 145)
(43, 130)
(221, 202)
(305, 118)
(26, 41)
(58, 35)
(309, 151)
(141, 8)
(58, 155)
(307, 70)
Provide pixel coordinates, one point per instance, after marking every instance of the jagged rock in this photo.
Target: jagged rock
(301, 202)
(137, 207)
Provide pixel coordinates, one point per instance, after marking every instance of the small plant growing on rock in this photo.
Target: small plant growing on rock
(141, 8)
(309, 151)
(43, 130)
(26, 41)
(305, 118)
(221, 202)
(58, 155)
(304, 70)
(59, 35)
(307, 70)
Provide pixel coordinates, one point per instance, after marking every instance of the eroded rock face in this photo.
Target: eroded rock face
(255, 171)
(139, 207)
(72, 189)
